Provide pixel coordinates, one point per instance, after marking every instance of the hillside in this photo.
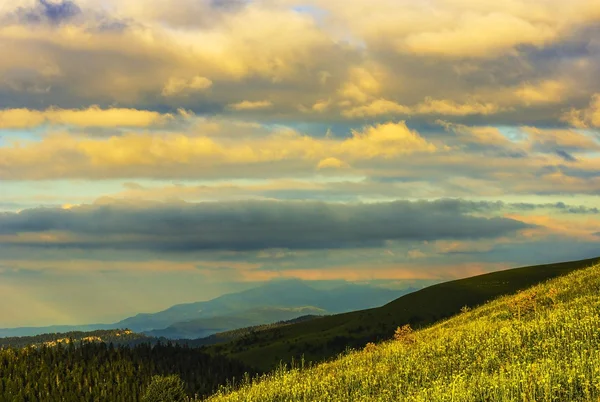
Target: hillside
(326, 337)
(225, 336)
(203, 327)
(541, 344)
(93, 371)
(114, 336)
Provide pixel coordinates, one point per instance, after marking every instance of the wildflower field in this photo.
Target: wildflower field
(542, 344)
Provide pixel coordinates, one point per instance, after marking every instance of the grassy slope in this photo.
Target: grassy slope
(325, 337)
(542, 344)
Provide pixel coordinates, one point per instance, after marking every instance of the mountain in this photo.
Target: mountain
(282, 294)
(541, 344)
(325, 337)
(236, 310)
(203, 327)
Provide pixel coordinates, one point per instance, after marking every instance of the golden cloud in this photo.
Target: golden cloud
(560, 138)
(589, 117)
(91, 117)
(428, 107)
(547, 91)
(264, 50)
(331, 163)
(64, 155)
(495, 32)
(251, 105)
(480, 135)
(178, 86)
(385, 140)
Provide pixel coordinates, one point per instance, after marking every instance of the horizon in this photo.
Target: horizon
(154, 155)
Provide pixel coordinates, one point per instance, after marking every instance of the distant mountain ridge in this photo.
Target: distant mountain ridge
(268, 303)
(278, 296)
(203, 327)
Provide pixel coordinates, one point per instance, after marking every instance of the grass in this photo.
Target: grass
(325, 337)
(542, 344)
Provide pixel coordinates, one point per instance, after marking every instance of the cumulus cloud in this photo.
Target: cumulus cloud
(399, 59)
(244, 225)
(385, 140)
(496, 32)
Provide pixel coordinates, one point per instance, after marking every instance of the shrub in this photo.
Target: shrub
(165, 389)
(370, 347)
(404, 334)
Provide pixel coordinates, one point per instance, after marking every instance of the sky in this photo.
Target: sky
(154, 153)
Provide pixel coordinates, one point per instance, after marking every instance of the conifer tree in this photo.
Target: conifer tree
(165, 389)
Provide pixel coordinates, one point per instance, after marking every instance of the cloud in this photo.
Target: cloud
(251, 105)
(566, 156)
(178, 86)
(92, 116)
(419, 61)
(249, 225)
(489, 136)
(48, 11)
(584, 118)
(385, 140)
(331, 163)
(496, 32)
(173, 154)
(551, 139)
(547, 91)
(428, 107)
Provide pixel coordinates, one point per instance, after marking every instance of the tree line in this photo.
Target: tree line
(94, 371)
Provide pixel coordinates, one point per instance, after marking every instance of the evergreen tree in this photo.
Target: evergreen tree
(165, 389)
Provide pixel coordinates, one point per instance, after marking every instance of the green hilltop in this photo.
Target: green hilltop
(542, 344)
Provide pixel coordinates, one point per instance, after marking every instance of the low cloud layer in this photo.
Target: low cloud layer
(247, 225)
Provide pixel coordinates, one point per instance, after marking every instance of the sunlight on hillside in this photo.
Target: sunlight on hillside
(542, 344)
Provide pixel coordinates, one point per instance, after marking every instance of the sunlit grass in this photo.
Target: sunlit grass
(542, 344)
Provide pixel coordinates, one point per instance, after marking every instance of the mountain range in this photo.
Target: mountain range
(272, 302)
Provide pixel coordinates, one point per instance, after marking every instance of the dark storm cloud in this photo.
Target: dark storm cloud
(255, 225)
